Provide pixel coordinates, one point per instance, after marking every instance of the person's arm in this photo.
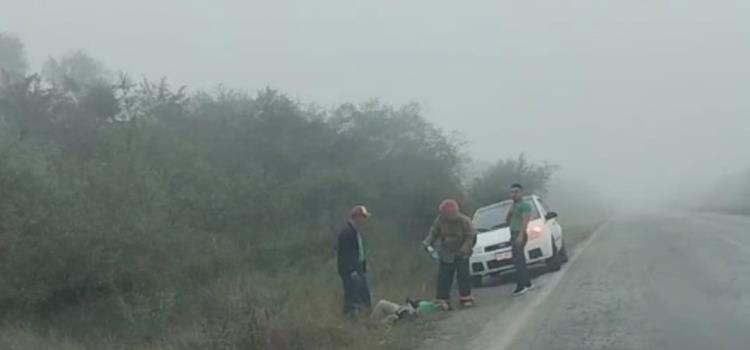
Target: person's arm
(509, 215)
(526, 212)
(470, 238)
(432, 235)
(347, 251)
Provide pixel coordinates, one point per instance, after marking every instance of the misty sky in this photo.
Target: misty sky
(632, 96)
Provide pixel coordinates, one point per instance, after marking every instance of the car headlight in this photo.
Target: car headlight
(535, 232)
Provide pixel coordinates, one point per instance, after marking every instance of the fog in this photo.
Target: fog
(636, 98)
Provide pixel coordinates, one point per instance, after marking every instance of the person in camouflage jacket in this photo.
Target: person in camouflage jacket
(455, 237)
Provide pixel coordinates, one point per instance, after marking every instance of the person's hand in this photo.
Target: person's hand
(433, 253)
(435, 256)
(354, 275)
(520, 240)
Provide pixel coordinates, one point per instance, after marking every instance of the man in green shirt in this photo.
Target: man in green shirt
(518, 220)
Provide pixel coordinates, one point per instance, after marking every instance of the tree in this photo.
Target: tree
(74, 72)
(409, 164)
(12, 56)
(121, 198)
(494, 184)
(27, 103)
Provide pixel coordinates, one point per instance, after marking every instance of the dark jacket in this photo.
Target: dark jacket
(348, 251)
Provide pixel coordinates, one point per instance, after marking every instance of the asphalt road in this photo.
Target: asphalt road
(656, 281)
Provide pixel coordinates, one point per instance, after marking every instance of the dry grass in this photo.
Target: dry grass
(294, 311)
(254, 310)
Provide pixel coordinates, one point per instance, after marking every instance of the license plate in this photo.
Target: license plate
(503, 256)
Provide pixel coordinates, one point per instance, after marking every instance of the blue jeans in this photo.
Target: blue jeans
(519, 260)
(356, 292)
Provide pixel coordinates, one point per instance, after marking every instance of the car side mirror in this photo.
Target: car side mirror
(550, 215)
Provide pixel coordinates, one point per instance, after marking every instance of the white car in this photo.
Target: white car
(492, 253)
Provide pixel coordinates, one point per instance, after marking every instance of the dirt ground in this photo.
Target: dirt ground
(491, 298)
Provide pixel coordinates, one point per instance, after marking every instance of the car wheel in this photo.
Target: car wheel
(564, 254)
(476, 281)
(555, 262)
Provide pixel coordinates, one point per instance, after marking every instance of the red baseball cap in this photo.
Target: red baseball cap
(448, 206)
(359, 210)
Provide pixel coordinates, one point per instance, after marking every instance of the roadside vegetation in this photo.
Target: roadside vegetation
(138, 215)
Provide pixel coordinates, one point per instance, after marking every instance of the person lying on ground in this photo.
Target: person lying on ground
(388, 312)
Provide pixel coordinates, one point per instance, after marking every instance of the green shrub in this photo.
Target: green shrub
(136, 215)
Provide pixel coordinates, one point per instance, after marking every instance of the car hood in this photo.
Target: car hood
(493, 237)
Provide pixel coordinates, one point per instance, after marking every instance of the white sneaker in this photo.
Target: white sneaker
(522, 291)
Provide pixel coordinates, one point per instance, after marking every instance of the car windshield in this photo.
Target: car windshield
(492, 218)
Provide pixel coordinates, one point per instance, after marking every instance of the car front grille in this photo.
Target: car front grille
(494, 247)
(494, 264)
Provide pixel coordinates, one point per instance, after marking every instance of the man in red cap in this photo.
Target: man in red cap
(456, 237)
(352, 262)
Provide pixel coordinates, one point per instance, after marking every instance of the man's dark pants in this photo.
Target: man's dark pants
(356, 292)
(519, 261)
(458, 268)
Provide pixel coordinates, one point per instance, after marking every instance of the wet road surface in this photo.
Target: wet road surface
(656, 281)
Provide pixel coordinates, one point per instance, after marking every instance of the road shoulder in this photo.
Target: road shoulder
(497, 311)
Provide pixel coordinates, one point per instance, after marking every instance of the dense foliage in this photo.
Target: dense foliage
(127, 208)
(493, 185)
